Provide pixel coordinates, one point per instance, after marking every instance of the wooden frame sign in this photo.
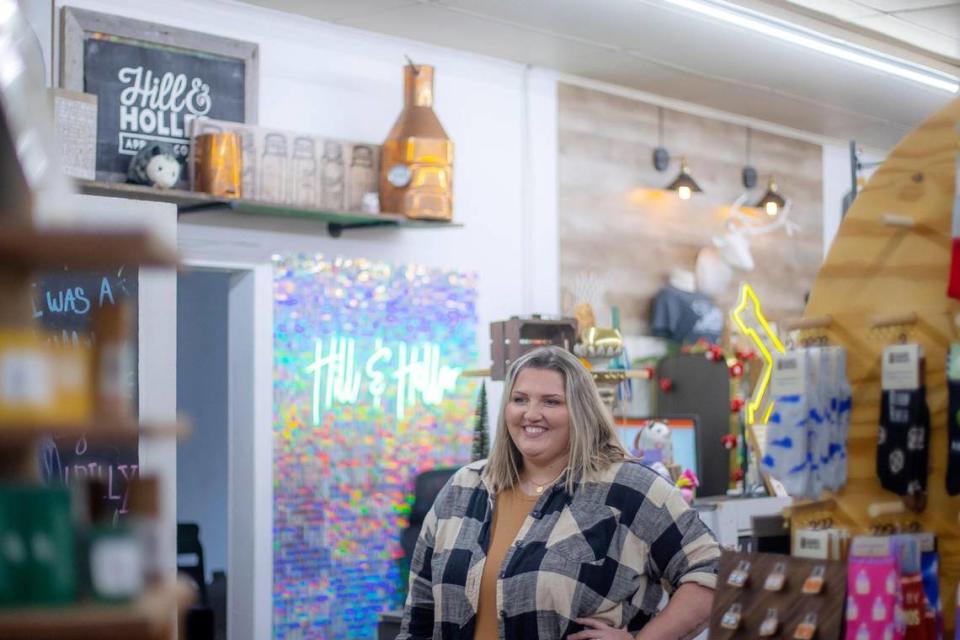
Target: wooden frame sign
(152, 82)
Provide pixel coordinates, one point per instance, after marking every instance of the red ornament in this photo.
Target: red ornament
(737, 475)
(736, 404)
(745, 354)
(729, 441)
(715, 353)
(666, 385)
(736, 370)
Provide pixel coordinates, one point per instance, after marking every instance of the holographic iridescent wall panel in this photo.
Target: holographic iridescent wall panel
(366, 395)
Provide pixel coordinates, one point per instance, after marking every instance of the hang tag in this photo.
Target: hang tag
(739, 576)
(814, 582)
(770, 624)
(812, 543)
(953, 362)
(789, 374)
(731, 618)
(871, 547)
(776, 579)
(807, 629)
(901, 367)
(927, 541)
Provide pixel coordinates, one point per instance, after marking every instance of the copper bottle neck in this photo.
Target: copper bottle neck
(418, 85)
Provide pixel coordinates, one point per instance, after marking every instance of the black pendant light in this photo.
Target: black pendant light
(772, 202)
(748, 176)
(684, 184)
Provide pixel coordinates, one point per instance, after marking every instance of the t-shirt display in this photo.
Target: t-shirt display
(685, 316)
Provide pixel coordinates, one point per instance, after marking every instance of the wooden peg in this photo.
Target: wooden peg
(894, 320)
(891, 508)
(897, 220)
(815, 322)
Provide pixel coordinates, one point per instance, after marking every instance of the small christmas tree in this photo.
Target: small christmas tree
(481, 439)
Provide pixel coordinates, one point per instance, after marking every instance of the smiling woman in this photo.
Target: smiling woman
(559, 534)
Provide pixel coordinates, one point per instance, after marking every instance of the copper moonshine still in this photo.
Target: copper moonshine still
(416, 174)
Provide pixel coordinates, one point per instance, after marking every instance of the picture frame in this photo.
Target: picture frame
(152, 81)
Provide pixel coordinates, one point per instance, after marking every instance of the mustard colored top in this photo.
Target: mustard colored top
(512, 508)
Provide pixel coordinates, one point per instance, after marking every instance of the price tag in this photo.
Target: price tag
(789, 374)
(901, 367)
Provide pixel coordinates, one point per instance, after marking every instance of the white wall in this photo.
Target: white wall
(836, 184)
(325, 79)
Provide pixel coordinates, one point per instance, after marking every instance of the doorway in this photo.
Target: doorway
(225, 468)
(203, 458)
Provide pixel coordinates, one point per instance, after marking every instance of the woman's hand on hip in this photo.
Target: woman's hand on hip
(597, 630)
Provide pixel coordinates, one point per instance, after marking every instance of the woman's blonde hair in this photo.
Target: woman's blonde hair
(593, 442)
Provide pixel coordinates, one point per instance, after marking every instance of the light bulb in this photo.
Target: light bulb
(684, 192)
(772, 208)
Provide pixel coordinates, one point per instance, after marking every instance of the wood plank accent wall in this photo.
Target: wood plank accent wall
(628, 235)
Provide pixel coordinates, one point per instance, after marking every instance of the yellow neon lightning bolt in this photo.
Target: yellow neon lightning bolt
(756, 327)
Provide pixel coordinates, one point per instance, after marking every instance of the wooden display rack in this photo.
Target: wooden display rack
(791, 604)
(149, 617)
(24, 249)
(885, 280)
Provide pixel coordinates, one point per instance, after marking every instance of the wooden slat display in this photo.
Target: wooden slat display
(876, 270)
(791, 603)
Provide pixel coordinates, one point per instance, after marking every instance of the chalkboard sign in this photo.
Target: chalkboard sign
(64, 303)
(151, 82)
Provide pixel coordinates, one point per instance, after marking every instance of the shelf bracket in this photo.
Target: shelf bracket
(336, 229)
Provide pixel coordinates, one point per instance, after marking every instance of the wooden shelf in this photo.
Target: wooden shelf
(193, 201)
(185, 200)
(21, 433)
(150, 616)
(41, 249)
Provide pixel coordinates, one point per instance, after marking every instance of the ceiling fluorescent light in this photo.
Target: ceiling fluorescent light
(850, 52)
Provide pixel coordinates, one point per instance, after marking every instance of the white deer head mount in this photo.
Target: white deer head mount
(734, 244)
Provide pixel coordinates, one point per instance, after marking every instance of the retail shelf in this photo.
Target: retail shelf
(185, 200)
(149, 616)
(31, 248)
(21, 433)
(192, 202)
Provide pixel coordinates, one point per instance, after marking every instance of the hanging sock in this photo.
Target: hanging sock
(844, 399)
(786, 454)
(903, 444)
(953, 435)
(953, 282)
(903, 441)
(818, 422)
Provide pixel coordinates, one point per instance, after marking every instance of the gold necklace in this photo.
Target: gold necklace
(538, 488)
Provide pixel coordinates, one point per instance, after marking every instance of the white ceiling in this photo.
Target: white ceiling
(656, 47)
(931, 25)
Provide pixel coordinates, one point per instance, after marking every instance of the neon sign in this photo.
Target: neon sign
(753, 324)
(342, 374)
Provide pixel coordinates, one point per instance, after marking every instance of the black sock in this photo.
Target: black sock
(903, 445)
(953, 436)
(918, 443)
(891, 443)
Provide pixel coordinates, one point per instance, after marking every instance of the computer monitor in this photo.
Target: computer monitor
(683, 436)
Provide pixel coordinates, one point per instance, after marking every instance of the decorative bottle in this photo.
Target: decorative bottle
(416, 173)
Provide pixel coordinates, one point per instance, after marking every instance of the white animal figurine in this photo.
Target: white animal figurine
(155, 165)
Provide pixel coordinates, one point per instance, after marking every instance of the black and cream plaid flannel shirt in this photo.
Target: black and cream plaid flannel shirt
(607, 552)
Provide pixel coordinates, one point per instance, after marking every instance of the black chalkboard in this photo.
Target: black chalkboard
(151, 93)
(64, 302)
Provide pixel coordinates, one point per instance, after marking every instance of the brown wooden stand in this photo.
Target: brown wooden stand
(891, 257)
